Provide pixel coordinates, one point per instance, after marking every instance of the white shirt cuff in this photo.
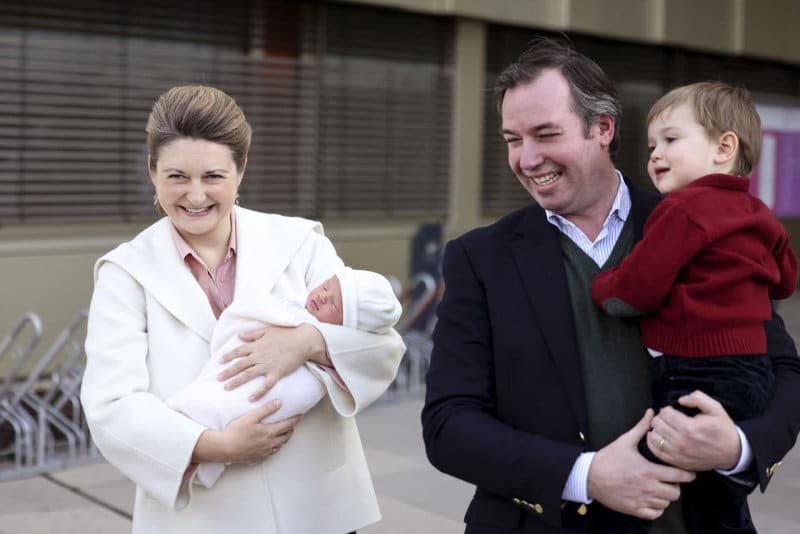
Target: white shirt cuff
(744, 460)
(576, 489)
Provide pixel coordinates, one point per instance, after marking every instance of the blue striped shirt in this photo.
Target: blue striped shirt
(599, 249)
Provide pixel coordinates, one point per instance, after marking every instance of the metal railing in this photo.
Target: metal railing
(42, 427)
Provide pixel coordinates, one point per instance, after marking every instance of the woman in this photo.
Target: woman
(153, 311)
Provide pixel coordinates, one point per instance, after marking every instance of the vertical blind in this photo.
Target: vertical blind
(398, 98)
(641, 74)
(500, 190)
(346, 122)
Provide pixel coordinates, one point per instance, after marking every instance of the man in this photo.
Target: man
(534, 395)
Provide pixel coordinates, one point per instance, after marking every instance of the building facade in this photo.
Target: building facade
(373, 116)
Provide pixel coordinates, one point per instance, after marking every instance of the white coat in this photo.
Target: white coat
(148, 336)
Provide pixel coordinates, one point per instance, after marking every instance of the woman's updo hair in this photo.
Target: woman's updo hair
(198, 112)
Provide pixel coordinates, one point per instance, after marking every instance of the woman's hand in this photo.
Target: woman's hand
(272, 352)
(245, 439)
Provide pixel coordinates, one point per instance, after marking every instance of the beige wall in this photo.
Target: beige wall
(771, 29)
(375, 245)
(466, 149)
(687, 22)
(47, 269)
(759, 28)
(627, 19)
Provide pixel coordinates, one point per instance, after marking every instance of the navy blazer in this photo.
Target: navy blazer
(505, 406)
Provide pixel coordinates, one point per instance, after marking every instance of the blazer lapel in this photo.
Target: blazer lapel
(642, 203)
(537, 253)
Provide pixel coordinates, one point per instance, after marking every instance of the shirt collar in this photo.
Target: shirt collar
(184, 249)
(620, 208)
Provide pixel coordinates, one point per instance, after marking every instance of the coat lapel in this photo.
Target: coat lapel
(153, 260)
(266, 244)
(537, 253)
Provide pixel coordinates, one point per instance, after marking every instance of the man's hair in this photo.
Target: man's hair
(592, 92)
(719, 108)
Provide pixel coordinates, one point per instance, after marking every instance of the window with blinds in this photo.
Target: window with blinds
(385, 113)
(641, 73)
(500, 190)
(346, 121)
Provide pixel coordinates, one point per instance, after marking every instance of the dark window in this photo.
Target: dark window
(350, 109)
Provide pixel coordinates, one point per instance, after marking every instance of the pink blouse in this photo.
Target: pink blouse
(217, 286)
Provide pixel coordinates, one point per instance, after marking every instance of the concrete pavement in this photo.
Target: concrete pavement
(414, 497)
(96, 498)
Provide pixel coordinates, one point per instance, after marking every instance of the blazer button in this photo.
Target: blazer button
(538, 508)
(582, 437)
(774, 467)
(582, 509)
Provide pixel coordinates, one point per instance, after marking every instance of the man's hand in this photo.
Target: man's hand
(272, 352)
(623, 480)
(707, 441)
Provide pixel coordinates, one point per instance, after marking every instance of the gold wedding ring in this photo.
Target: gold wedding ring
(661, 444)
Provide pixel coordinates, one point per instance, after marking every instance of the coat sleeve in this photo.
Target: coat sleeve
(773, 433)
(463, 435)
(366, 362)
(137, 433)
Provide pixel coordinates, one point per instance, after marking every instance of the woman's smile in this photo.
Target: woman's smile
(197, 183)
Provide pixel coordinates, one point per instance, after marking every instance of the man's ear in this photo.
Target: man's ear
(727, 147)
(605, 126)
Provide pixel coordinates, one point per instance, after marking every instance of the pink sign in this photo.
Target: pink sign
(776, 179)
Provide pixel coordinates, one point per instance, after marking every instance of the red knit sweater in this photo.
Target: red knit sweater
(711, 257)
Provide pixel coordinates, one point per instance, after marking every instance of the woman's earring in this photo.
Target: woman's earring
(157, 204)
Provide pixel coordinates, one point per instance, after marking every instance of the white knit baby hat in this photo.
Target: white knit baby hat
(368, 301)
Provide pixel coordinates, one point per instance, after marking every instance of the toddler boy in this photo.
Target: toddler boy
(711, 258)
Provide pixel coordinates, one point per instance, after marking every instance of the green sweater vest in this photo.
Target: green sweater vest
(614, 362)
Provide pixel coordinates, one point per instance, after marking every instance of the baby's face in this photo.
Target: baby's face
(325, 302)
